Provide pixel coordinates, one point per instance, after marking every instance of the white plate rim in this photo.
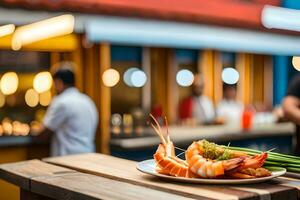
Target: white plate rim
(151, 163)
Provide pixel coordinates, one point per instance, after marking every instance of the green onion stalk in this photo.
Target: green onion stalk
(291, 163)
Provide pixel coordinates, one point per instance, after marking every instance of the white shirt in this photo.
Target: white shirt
(230, 110)
(203, 109)
(73, 117)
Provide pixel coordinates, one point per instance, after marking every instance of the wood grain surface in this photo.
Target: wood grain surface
(98, 176)
(125, 171)
(40, 180)
(81, 186)
(20, 173)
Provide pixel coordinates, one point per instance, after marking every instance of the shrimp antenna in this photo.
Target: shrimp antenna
(271, 150)
(180, 149)
(156, 122)
(157, 129)
(180, 154)
(168, 135)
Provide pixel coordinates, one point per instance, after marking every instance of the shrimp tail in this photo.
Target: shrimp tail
(232, 164)
(255, 161)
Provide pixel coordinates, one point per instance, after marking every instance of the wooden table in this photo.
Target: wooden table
(97, 176)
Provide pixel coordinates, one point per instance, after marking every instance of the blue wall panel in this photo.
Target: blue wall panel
(186, 56)
(126, 53)
(280, 78)
(295, 4)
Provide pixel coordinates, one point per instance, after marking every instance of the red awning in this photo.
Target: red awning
(237, 13)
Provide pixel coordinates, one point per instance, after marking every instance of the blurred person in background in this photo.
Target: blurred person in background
(291, 107)
(197, 107)
(229, 109)
(71, 119)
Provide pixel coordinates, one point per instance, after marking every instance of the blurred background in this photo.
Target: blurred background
(135, 57)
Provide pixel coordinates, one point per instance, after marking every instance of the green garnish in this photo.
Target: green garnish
(226, 154)
(291, 163)
(214, 151)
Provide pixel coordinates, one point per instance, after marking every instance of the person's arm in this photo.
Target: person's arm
(291, 108)
(44, 134)
(54, 118)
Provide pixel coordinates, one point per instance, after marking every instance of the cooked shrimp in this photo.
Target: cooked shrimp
(252, 167)
(255, 161)
(206, 167)
(165, 158)
(251, 173)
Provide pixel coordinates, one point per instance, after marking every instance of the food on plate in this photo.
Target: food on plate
(251, 173)
(165, 158)
(205, 159)
(210, 160)
(209, 166)
(289, 162)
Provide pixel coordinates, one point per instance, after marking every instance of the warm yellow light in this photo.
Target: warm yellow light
(16, 126)
(1, 130)
(49, 28)
(42, 82)
(25, 129)
(31, 98)
(7, 29)
(296, 62)
(45, 98)
(7, 126)
(35, 128)
(110, 77)
(9, 83)
(2, 100)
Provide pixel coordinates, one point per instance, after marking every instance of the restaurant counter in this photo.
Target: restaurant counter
(17, 148)
(8, 141)
(263, 137)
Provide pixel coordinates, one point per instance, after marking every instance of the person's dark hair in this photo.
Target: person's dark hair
(227, 86)
(66, 76)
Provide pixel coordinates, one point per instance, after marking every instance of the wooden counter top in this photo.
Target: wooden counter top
(97, 176)
(215, 133)
(39, 181)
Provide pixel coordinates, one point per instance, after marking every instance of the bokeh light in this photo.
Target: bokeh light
(35, 128)
(134, 77)
(2, 100)
(42, 82)
(31, 98)
(45, 98)
(1, 130)
(230, 75)
(7, 29)
(296, 62)
(7, 126)
(16, 126)
(20, 128)
(184, 78)
(138, 78)
(9, 83)
(48, 28)
(127, 76)
(25, 129)
(110, 77)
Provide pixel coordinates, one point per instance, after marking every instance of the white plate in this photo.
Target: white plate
(148, 167)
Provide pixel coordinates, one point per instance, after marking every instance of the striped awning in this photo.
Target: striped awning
(246, 14)
(141, 32)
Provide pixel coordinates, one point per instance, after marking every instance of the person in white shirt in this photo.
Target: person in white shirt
(198, 106)
(72, 117)
(229, 109)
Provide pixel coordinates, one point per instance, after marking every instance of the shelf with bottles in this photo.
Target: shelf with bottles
(129, 125)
